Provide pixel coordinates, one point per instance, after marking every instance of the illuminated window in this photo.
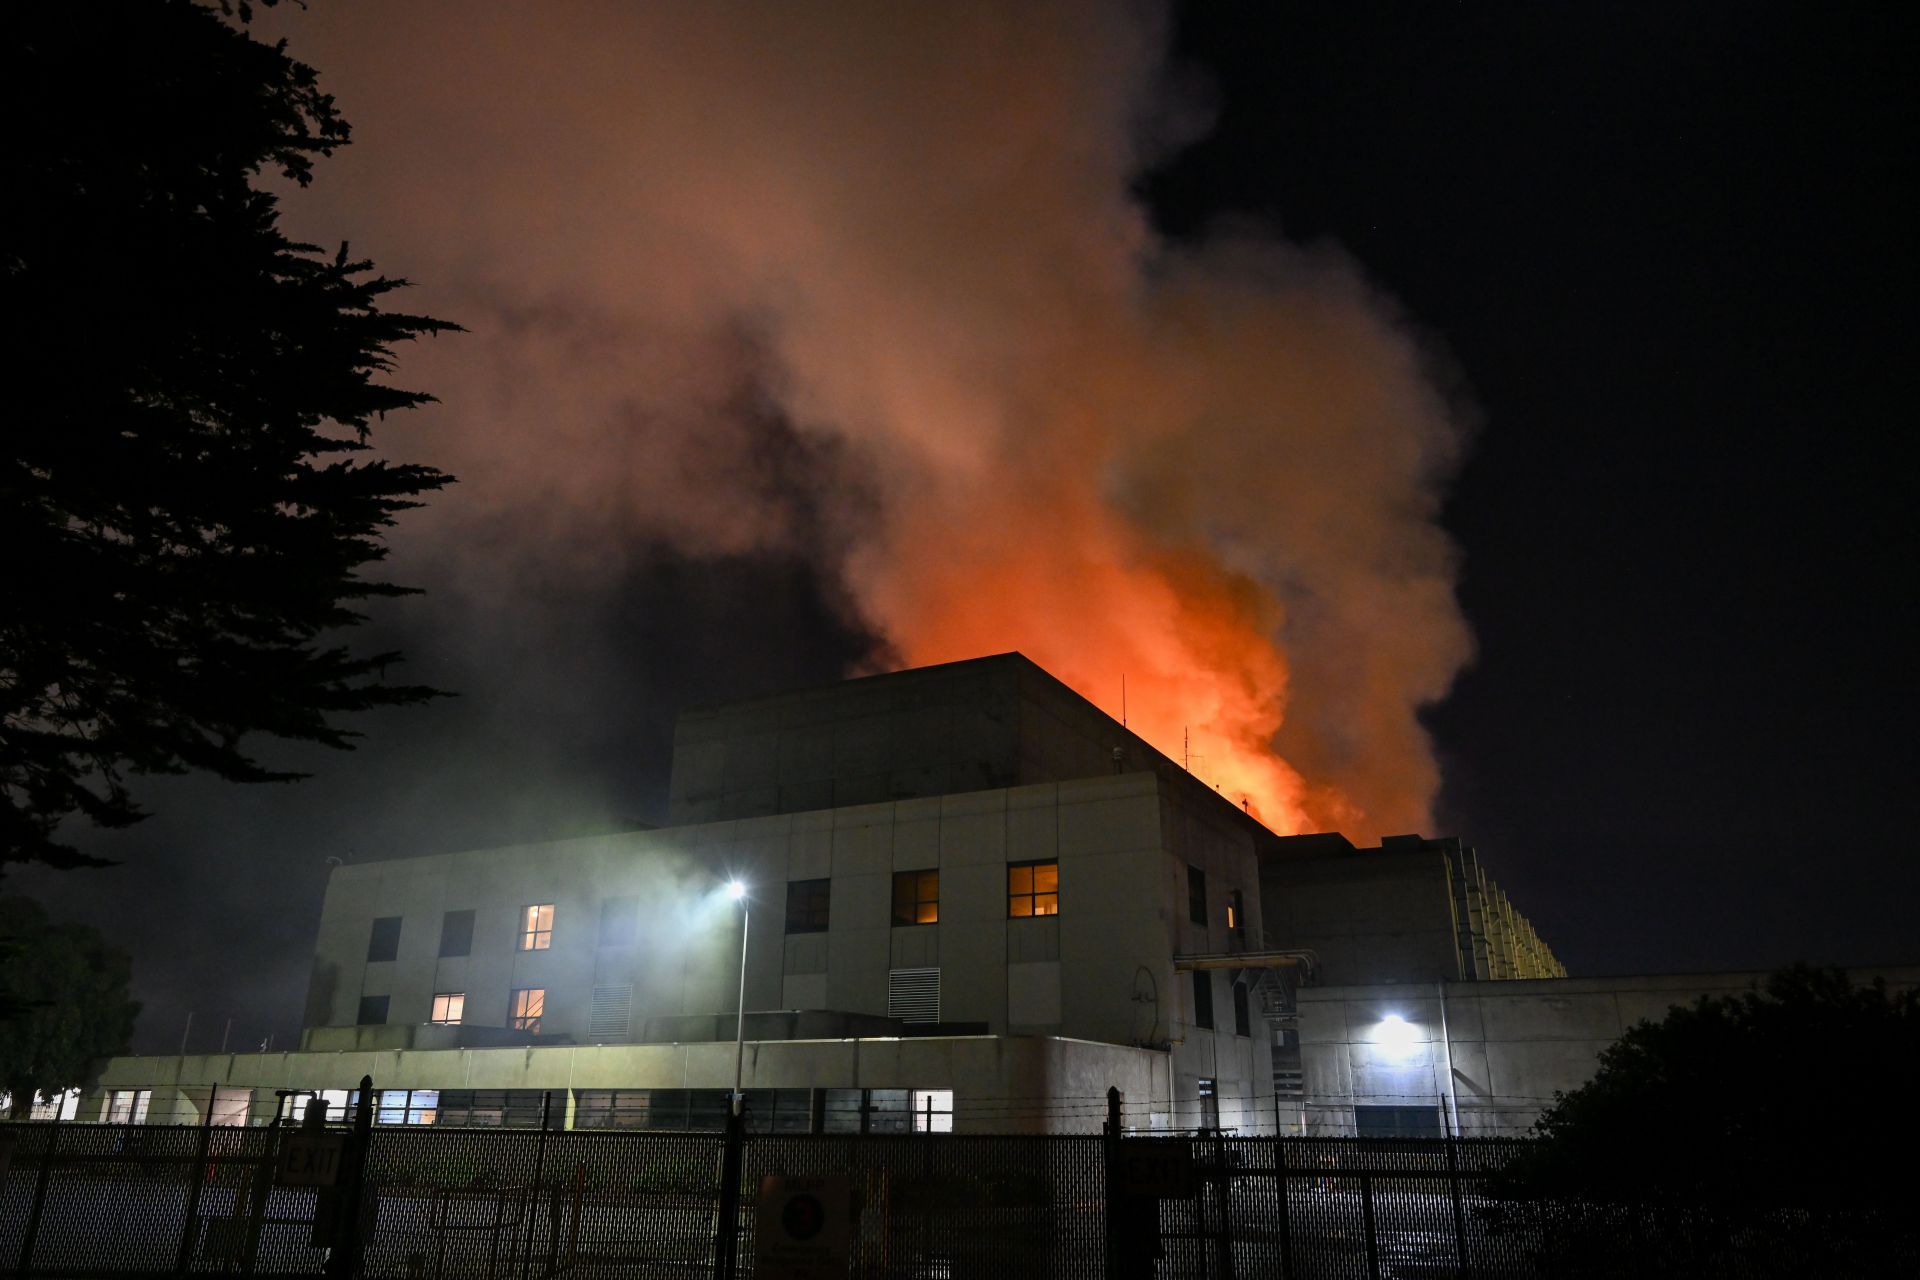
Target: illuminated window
(1033, 889)
(536, 928)
(528, 1004)
(933, 1111)
(916, 897)
(448, 1006)
(128, 1106)
(807, 903)
(373, 1011)
(1236, 911)
(407, 1106)
(1196, 895)
(384, 942)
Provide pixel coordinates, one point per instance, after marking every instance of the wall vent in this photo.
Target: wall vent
(913, 995)
(611, 1016)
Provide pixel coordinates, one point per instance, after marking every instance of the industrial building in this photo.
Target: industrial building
(974, 901)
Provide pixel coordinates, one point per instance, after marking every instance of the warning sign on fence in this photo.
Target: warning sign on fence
(802, 1228)
(310, 1159)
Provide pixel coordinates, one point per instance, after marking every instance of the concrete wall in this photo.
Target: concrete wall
(979, 725)
(1100, 970)
(1514, 1044)
(1370, 916)
(1412, 910)
(1022, 1084)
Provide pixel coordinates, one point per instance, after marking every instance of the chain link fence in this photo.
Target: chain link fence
(143, 1200)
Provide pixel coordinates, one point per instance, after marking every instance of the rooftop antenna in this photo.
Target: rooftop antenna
(1123, 699)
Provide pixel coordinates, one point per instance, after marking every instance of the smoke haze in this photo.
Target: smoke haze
(868, 281)
(1005, 415)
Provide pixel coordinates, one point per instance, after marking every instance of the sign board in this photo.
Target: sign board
(310, 1159)
(1155, 1168)
(802, 1228)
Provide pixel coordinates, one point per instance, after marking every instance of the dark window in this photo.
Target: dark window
(1033, 889)
(373, 1011)
(619, 921)
(880, 1111)
(842, 1110)
(707, 1108)
(1242, 1019)
(456, 933)
(496, 1108)
(807, 902)
(889, 1111)
(612, 1108)
(916, 897)
(384, 942)
(1202, 998)
(1209, 1101)
(1397, 1122)
(1196, 895)
(1236, 911)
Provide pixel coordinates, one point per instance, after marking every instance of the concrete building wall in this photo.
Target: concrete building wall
(1412, 910)
(1001, 1084)
(1102, 969)
(1513, 1044)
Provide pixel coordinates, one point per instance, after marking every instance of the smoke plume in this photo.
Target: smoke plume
(905, 234)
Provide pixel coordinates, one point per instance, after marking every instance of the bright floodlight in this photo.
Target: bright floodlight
(1396, 1034)
(736, 890)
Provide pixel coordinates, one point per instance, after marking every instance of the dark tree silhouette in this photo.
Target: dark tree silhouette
(186, 500)
(63, 1002)
(1755, 1126)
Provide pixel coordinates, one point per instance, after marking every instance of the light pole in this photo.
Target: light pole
(738, 892)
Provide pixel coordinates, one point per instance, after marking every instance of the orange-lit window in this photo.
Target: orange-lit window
(1236, 911)
(528, 1004)
(916, 897)
(536, 928)
(448, 1006)
(1033, 889)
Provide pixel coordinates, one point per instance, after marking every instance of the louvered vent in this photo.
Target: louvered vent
(913, 995)
(612, 1013)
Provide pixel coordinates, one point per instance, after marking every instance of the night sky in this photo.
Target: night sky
(1651, 253)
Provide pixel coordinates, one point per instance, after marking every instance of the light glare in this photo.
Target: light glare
(736, 890)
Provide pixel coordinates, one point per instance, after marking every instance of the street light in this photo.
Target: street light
(738, 892)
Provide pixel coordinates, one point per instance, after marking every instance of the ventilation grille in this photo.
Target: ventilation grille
(913, 995)
(612, 1014)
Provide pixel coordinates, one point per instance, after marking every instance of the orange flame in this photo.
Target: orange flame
(1058, 576)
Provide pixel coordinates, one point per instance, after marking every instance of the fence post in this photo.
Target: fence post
(1223, 1261)
(1366, 1209)
(1459, 1208)
(188, 1229)
(261, 1191)
(1109, 1140)
(343, 1259)
(1286, 1207)
(727, 1229)
(539, 1169)
(39, 1196)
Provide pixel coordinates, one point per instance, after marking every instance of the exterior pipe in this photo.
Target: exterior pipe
(1446, 1044)
(740, 1025)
